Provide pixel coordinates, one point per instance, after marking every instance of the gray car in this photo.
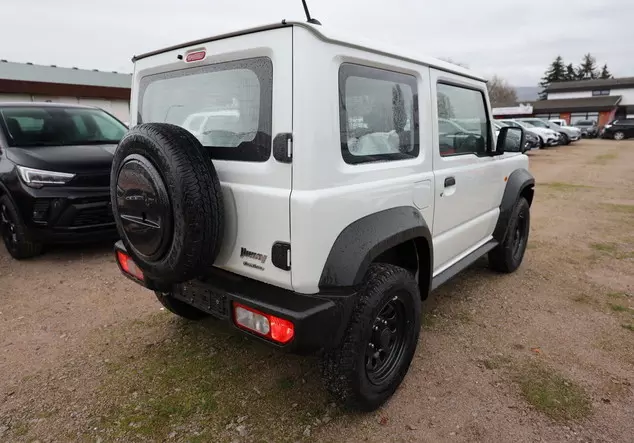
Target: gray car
(568, 133)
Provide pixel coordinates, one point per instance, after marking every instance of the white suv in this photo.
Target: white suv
(323, 214)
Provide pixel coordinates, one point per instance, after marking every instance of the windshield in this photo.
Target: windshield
(59, 126)
(584, 123)
(537, 123)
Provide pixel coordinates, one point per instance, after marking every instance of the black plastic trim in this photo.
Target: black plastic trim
(518, 181)
(362, 241)
(461, 265)
(279, 255)
(280, 147)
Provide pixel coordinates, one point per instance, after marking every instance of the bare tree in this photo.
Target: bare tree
(501, 93)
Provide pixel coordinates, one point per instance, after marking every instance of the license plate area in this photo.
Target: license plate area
(204, 297)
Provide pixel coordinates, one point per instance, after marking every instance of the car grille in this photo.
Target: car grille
(100, 215)
(204, 297)
(98, 179)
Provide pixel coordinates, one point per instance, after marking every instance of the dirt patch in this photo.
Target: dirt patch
(546, 353)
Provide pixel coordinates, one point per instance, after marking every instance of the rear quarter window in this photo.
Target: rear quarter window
(378, 114)
(226, 106)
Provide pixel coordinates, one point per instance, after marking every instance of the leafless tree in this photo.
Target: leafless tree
(501, 93)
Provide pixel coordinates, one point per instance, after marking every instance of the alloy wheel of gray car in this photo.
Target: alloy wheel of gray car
(619, 135)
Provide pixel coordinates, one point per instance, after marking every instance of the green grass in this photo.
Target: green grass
(603, 158)
(618, 308)
(552, 394)
(612, 249)
(561, 186)
(205, 383)
(496, 362)
(629, 326)
(616, 294)
(617, 207)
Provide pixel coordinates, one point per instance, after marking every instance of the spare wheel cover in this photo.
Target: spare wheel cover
(144, 207)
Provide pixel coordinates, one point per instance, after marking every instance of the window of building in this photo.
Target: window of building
(378, 114)
(599, 92)
(463, 122)
(577, 116)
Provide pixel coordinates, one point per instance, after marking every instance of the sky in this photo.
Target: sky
(515, 40)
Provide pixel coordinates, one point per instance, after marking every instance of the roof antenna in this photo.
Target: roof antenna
(313, 21)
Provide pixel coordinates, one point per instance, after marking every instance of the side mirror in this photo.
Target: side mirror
(510, 139)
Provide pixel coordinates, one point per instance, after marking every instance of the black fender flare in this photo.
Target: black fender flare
(517, 183)
(362, 241)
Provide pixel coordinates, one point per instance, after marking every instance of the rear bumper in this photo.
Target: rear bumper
(319, 320)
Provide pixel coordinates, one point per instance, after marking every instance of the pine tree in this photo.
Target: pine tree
(588, 68)
(555, 73)
(605, 74)
(571, 73)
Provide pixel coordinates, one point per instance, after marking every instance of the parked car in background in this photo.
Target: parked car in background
(568, 133)
(619, 129)
(532, 141)
(547, 137)
(55, 174)
(588, 128)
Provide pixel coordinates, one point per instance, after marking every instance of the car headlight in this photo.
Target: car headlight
(36, 178)
(607, 126)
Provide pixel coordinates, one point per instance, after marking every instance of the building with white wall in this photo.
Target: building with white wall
(601, 100)
(110, 91)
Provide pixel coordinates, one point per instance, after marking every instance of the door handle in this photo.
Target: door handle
(450, 181)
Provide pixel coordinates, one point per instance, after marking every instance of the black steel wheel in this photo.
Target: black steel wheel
(14, 234)
(388, 340)
(367, 367)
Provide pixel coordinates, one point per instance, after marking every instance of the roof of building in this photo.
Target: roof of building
(72, 76)
(521, 109)
(601, 103)
(42, 105)
(586, 85)
(411, 54)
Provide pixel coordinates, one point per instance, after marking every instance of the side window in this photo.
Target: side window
(463, 122)
(378, 114)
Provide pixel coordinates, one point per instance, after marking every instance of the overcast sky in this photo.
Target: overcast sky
(516, 40)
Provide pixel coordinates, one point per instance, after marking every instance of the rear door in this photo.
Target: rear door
(466, 178)
(235, 96)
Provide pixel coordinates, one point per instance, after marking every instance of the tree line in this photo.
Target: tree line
(559, 71)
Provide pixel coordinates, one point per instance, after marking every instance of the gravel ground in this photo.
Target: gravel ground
(545, 354)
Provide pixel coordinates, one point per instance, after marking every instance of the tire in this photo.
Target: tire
(619, 135)
(542, 145)
(15, 235)
(566, 139)
(508, 255)
(180, 308)
(167, 202)
(362, 382)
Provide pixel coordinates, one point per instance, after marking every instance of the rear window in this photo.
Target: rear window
(226, 106)
(59, 126)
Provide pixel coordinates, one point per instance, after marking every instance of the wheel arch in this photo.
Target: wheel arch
(398, 236)
(520, 183)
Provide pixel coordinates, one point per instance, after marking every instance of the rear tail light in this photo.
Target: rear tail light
(265, 325)
(128, 266)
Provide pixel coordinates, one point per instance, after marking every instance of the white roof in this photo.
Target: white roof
(337, 37)
(53, 74)
(514, 110)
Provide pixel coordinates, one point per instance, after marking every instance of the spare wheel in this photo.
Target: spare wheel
(167, 202)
